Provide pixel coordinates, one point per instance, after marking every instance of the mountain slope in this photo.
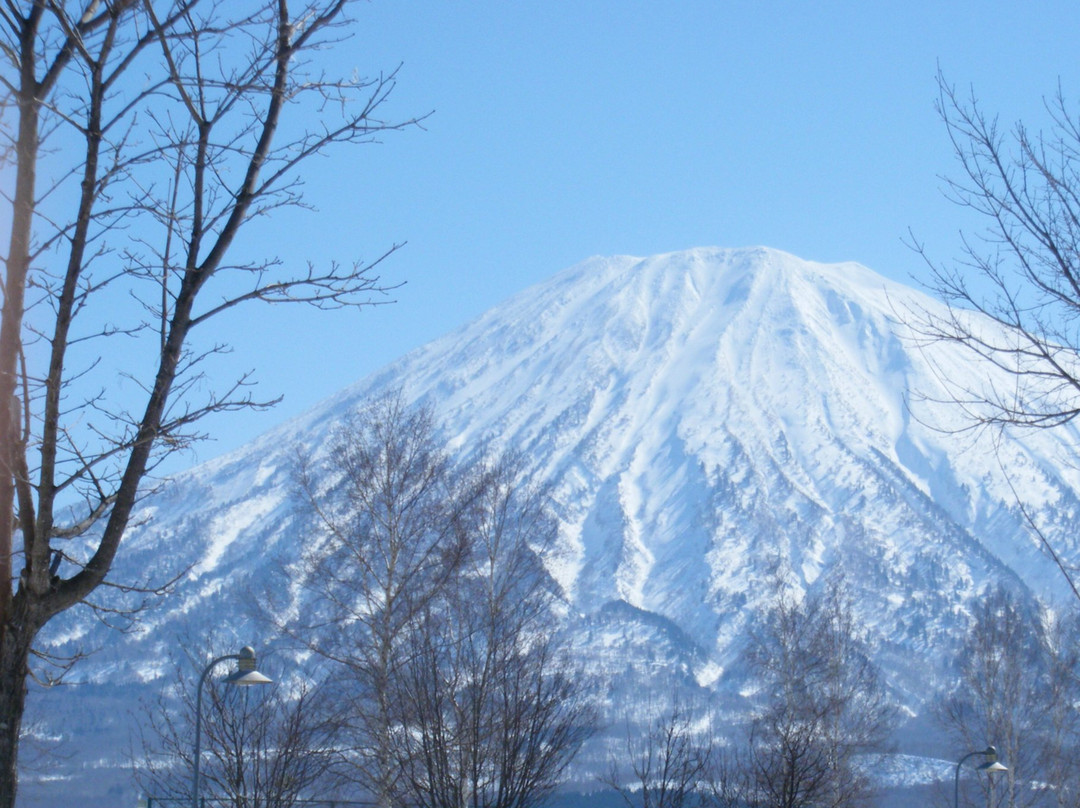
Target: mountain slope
(701, 417)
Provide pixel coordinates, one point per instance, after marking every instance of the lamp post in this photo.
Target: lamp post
(245, 674)
(991, 766)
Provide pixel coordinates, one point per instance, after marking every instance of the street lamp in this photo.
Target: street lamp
(991, 766)
(245, 674)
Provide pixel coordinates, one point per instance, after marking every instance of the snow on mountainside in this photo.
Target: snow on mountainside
(700, 415)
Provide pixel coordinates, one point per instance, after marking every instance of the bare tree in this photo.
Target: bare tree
(394, 520)
(824, 704)
(1014, 295)
(1060, 735)
(265, 749)
(728, 781)
(492, 712)
(997, 698)
(427, 587)
(1016, 686)
(142, 135)
(670, 766)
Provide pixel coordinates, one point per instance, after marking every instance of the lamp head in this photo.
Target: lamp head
(245, 673)
(991, 766)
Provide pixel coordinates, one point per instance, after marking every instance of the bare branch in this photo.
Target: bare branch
(144, 135)
(1022, 274)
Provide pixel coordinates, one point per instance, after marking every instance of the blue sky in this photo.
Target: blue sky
(562, 130)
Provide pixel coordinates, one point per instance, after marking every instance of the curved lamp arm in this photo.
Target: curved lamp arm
(245, 675)
(991, 765)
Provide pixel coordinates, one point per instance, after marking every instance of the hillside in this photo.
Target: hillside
(702, 417)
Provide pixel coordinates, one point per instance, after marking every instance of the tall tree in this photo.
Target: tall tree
(998, 697)
(391, 530)
(425, 583)
(142, 135)
(1023, 270)
(1020, 275)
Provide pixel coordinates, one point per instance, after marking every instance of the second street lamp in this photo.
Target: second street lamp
(991, 766)
(245, 674)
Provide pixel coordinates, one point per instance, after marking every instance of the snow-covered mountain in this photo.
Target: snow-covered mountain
(701, 416)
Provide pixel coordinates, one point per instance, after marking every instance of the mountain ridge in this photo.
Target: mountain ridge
(708, 365)
(701, 417)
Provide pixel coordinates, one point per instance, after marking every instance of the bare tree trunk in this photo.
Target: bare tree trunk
(17, 626)
(14, 659)
(167, 117)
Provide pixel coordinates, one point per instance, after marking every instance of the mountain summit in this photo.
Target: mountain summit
(701, 417)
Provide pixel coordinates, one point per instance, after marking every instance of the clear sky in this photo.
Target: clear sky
(562, 130)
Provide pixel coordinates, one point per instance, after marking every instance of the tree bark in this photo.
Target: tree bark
(14, 666)
(18, 625)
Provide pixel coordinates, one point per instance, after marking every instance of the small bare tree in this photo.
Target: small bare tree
(671, 766)
(492, 712)
(728, 783)
(140, 136)
(824, 704)
(265, 749)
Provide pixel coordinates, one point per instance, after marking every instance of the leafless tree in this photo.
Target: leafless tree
(264, 749)
(427, 587)
(670, 765)
(394, 520)
(823, 704)
(728, 781)
(1060, 732)
(1014, 295)
(140, 136)
(1016, 688)
(999, 661)
(493, 714)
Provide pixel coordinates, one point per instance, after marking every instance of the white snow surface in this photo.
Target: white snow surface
(700, 416)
